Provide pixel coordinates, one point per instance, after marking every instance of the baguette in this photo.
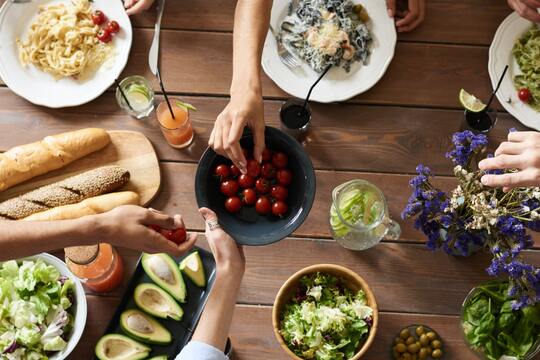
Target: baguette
(68, 191)
(92, 206)
(24, 162)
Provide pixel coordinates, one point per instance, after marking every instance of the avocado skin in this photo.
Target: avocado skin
(141, 287)
(99, 346)
(198, 278)
(179, 291)
(160, 357)
(148, 340)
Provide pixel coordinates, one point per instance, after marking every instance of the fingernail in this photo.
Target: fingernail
(390, 13)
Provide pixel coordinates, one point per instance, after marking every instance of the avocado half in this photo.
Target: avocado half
(160, 357)
(144, 328)
(153, 300)
(193, 267)
(120, 347)
(164, 271)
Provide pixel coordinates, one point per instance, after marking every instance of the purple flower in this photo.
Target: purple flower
(466, 144)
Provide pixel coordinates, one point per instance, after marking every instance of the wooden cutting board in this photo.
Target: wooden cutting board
(129, 149)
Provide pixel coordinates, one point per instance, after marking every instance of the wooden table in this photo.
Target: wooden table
(406, 119)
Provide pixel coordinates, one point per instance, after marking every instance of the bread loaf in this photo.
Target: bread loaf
(24, 162)
(91, 206)
(69, 191)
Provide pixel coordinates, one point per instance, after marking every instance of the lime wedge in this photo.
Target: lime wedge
(186, 106)
(471, 102)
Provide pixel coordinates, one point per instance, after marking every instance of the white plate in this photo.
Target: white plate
(80, 305)
(41, 88)
(337, 85)
(500, 54)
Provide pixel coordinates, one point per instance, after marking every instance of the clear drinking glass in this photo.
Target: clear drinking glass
(178, 130)
(139, 94)
(295, 119)
(480, 122)
(359, 216)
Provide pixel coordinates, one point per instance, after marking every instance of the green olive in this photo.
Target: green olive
(413, 348)
(431, 335)
(428, 349)
(423, 354)
(424, 340)
(420, 330)
(400, 348)
(406, 356)
(436, 344)
(436, 354)
(404, 334)
(396, 354)
(414, 357)
(410, 340)
(398, 340)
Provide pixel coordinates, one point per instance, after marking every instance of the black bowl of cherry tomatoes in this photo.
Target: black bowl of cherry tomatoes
(269, 202)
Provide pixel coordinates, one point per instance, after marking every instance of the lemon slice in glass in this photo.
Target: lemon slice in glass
(471, 102)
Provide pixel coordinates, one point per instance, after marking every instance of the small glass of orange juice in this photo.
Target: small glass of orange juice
(177, 131)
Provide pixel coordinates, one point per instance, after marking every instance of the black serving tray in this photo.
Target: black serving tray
(181, 330)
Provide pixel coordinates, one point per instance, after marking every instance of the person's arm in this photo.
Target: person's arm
(125, 226)
(526, 9)
(246, 107)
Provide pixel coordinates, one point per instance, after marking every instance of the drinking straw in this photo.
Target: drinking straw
(315, 83)
(164, 93)
(123, 94)
(498, 86)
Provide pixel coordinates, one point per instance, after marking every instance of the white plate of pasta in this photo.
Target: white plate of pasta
(51, 53)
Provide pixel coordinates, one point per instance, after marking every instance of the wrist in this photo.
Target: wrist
(92, 229)
(231, 274)
(246, 86)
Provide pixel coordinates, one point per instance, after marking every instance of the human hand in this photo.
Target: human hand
(127, 226)
(521, 152)
(245, 109)
(137, 6)
(407, 20)
(228, 255)
(526, 9)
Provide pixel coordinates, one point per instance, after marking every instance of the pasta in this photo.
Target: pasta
(527, 53)
(62, 41)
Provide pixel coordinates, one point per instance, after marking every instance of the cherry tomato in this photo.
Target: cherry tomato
(268, 171)
(284, 177)
(280, 160)
(177, 236)
(235, 171)
(222, 172)
(229, 188)
(233, 204)
(245, 181)
(113, 27)
(266, 156)
(279, 208)
(104, 35)
(262, 185)
(98, 17)
(524, 95)
(253, 168)
(279, 192)
(263, 206)
(249, 196)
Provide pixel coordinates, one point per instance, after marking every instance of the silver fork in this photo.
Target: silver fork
(284, 55)
(20, 1)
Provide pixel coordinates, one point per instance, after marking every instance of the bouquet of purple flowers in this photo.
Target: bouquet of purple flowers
(473, 216)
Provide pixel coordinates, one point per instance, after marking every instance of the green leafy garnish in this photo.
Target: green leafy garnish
(185, 105)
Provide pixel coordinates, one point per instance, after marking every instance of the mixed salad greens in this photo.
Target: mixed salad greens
(35, 310)
(325, 320)
(492, 327)
(527, 53)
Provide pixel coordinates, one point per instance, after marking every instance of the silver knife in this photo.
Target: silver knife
(153, 55)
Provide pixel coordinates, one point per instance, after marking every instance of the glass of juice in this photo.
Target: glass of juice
(481, 121)
(139, 94)
(99, 267)
(177, 131)
(295, 119)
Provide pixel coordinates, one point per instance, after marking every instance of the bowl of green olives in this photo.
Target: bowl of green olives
(417, 342)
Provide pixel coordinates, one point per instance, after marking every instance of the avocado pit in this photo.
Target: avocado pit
(139, 323)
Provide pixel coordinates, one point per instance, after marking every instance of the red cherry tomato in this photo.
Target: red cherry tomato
(113, 27)
(263, 206)
(104, 35)
(279, 192)
(266, 156)
(249, 196)
(280, 160)
(284, 177)
(245, 181)
(98, 17)
(233, 204)
(268, 171)
(229, 188)
(524, 95)
(222, 172)
(262, 185)
(177, 236)
(234, 171)
(253, 168)
(279, 208)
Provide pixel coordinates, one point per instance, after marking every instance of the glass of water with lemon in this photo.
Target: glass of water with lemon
(139, 96)
(478, 117)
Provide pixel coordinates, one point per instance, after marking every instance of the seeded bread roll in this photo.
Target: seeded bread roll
(72, 190)
(24, 162)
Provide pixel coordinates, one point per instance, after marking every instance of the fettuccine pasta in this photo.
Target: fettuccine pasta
(62, 40)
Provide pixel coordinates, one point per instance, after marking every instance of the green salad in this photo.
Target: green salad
(35, 305)
(527, 53)
(492, 327)
(325, 320)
